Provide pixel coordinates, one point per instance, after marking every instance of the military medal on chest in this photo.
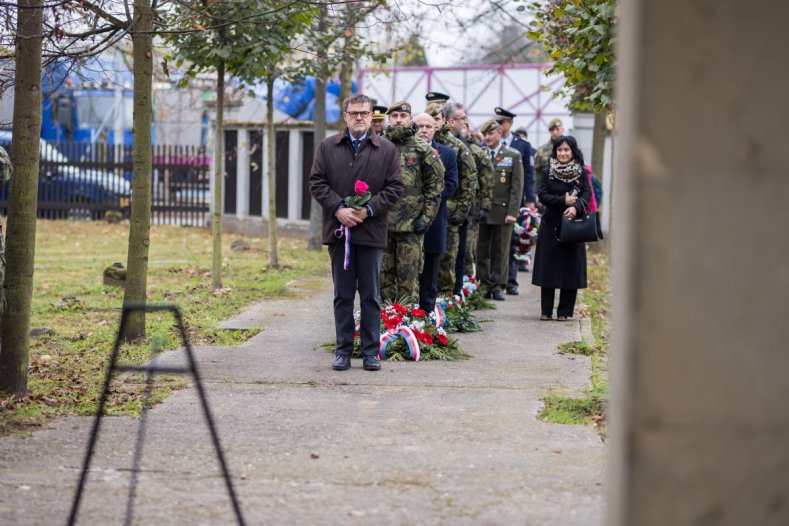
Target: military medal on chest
(503, 178)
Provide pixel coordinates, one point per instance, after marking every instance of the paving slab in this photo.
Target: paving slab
(427, 442)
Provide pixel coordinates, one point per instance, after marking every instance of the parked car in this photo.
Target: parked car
(75, 190)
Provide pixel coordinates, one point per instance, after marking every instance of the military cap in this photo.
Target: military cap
(379, 113)
(433, 109)
(489, 126)
(399, 106)
(502, 114)
(554, 123)
(435, 96)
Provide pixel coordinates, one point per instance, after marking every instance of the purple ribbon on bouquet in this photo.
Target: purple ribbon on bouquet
(338, 233)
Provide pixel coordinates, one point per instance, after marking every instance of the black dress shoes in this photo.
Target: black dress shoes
(498, 296)
(488, 295)
(371, 363)
(342, 362)
(512, 291)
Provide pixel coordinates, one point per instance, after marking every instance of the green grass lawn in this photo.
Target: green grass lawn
(588, 407)
(75, 317)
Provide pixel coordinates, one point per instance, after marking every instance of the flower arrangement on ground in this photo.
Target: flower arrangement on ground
(524, 236)
(471, 295)
(458, 314)
(410, 333)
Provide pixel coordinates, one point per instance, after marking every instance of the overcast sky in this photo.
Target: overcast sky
(447, 28)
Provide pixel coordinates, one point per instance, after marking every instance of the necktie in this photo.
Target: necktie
(503, 142)
(492, 155)
(356, 145)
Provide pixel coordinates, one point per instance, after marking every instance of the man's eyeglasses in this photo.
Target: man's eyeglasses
(358, 114)
(428, 126)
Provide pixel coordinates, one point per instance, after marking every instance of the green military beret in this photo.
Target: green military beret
(489, 126)
(379, 113)
(399, 106)
(435, 96)
(554, 123)
(502, 114)
(433, 109)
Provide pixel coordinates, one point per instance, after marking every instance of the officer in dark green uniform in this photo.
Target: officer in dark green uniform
(495, 232)
(6, 169)
(379, 119)
(459, 205)
(409, 219)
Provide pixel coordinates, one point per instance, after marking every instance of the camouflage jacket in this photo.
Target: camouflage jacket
(541, 161)
(463, 199)
(423, 178)
(482, 198)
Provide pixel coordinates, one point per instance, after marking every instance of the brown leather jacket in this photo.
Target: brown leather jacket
(335, 169)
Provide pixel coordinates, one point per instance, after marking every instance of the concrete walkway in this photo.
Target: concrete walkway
(450, 443)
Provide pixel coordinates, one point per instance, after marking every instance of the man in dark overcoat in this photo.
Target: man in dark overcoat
(356, 237)
(435, 242)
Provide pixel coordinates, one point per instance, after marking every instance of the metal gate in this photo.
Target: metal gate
(523, 89)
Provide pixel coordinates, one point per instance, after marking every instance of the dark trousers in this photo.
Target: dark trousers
(512, 274)
(566, 301)
(493, 249)
(460, 262)
(428, 282)
(362, 275)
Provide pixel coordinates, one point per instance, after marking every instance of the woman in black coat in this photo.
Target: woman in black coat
(564, 190)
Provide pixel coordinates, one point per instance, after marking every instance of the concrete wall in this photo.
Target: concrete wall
(700, 361)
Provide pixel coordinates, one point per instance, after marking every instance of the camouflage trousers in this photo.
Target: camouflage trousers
(400, 267)
(471, 247)
(446, 269)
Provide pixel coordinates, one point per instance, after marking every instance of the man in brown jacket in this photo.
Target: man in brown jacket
(356, 235)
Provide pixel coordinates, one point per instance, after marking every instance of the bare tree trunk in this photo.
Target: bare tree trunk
(319, 132)
(23, 200)
(140, 231)
(271, 136)
(598, 144)
(346, 68)
(610, 188)
(219, 170)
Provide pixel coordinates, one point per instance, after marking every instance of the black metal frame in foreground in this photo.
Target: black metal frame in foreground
(150, 370)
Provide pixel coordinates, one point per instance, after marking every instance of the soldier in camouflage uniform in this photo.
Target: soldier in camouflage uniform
(541, 159)
(409, 219)
(6, 169)
(458, 206)
(456, 118)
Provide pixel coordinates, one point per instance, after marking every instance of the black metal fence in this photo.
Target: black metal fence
(88, 181)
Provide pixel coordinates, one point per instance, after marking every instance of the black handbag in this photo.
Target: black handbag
(583, 228)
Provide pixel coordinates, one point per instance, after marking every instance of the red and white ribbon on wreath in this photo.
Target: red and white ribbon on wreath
(441, 318)
(407, 334)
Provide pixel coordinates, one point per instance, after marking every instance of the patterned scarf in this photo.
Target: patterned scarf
(567, 172)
